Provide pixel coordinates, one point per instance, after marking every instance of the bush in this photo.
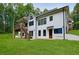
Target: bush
(76, 25)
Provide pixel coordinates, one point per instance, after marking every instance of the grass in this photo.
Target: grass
(8, 46)
(75, 32)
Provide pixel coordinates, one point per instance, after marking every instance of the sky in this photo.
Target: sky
(50, 6)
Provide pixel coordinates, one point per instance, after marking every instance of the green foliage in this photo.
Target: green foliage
(37, 11)
(76, 24)
(20, 10)
(29, 8)
(45, 10)
(13, 11)
(75, 16)
(1, 8)
(76, 8)
(1, 17)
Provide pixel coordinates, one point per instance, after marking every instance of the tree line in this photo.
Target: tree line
(75, 17)
(11, 11)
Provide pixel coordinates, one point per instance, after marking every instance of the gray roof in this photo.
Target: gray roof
(53, 11)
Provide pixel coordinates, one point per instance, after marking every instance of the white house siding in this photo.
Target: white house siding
(43, 27)
(32, 28)
(56, 23)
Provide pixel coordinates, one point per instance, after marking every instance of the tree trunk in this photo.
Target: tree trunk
(13, 28)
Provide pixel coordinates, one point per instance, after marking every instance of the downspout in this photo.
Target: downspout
(36, 28)
(63, 26)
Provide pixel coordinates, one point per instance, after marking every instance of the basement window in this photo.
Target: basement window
(58, 31)
(31, 33)
(39, 33)
(44, 32)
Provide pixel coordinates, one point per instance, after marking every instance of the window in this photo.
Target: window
(44, 32)
(39, 22)
(31, 17)
(42, 21)
(39, 33)
(51, 18)
(58, 31)
(31, 33)
(31, 23)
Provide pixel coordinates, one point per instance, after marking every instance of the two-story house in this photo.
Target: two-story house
(50, 25)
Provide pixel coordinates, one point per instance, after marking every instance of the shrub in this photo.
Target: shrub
(76, 25)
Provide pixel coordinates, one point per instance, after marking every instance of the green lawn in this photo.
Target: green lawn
(75, 32)
(9, 46)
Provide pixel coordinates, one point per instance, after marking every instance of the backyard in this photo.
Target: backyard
(9, 46)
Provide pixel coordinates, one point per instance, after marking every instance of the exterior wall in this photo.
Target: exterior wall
(57, 22)
(32, 28)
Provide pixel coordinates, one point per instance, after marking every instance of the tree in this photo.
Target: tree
(76, 24)
(24, 10)
(75, 15)
(20, 10)
(2, 14)
(45, 10)
(10, 17)
(1, 17)
(13, 10)
(29, 8)
(37, 11)
(1, 8)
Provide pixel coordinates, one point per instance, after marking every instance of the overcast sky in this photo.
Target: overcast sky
(49, 6)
